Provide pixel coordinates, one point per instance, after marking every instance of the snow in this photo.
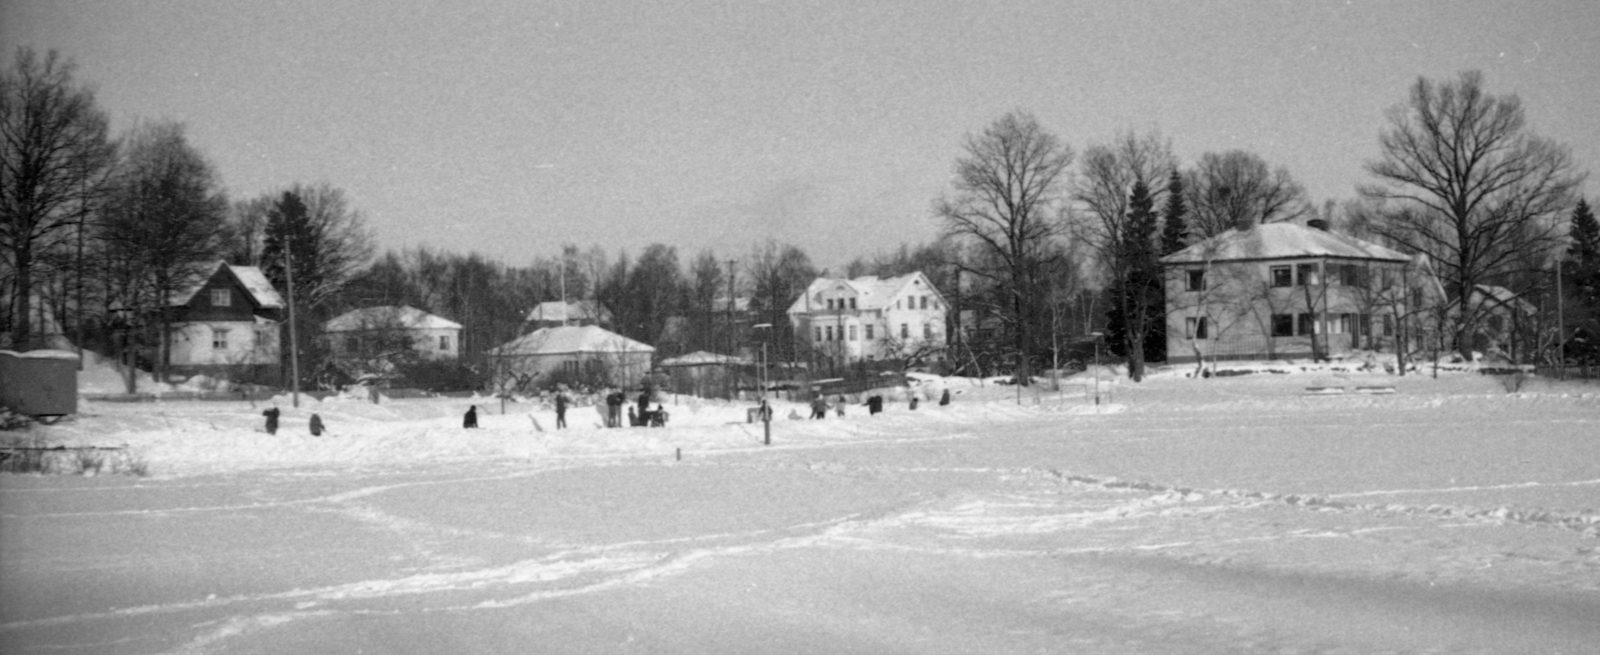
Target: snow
(1177, 515)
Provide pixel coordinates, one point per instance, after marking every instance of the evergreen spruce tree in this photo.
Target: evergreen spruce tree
(1137, 308)
(1174, 227)
(1580, 277)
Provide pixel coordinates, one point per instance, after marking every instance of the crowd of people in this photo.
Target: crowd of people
(644, 416)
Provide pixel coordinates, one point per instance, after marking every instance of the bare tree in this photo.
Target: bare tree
(1465, 182)
(1116, 196)
(163, 222)
(778, 275)
(328, 239)
(1237, 189)
(1007, 204)
(53, 146)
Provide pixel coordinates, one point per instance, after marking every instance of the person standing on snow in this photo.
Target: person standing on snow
(874, 404)
(561, 409)
(316, 425)
(471, 419)
(272, 419)
(819, 407)
(614, 402)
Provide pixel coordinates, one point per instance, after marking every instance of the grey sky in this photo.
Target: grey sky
(509, 128)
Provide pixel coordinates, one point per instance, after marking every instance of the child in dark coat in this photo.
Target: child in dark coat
(272, 420)
(471, 419)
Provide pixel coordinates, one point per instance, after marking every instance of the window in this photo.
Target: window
(869, 332)
(1307, 325)
(1343, 325)
(1283, 325)
(221, 297)
(570, 366)
(927, 330)
(852, 303)
(1195, 327)
(829, 333)
(1197, 280)
(1281, 277)
(905, 331)
(819, 335)
(1353, 275)
(852, 333)
(219, 339)
(1388, 325)
(1307, 274)
(830, 304)
(924, 302)
(444, 343)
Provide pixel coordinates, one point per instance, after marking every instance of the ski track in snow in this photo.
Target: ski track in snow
(1011, 516)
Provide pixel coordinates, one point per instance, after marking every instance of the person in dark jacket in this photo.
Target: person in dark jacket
(471, 419)
(561, 409)
(614, 402)
(316, 425)
(819, 407)
(874, 404)
(272, 419)
(944, 399)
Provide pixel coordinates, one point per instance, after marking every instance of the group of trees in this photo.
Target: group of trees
(1459, 181)
(97, 233)
(1042, 250)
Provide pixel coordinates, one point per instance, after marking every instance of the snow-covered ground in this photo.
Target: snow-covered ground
(1178, 515)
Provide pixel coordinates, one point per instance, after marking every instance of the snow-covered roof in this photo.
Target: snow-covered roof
(1501, 296)
(571, 339)
(557, 311)
(255, 281)
(251, 279)
(388, 316)
(1281, 241)
(703, 358)
(872, 292)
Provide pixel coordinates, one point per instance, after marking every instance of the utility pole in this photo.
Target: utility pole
(294, 342)
(1561, 328)
(732, 337)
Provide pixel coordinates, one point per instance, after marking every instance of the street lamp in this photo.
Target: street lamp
(764, 340)
(766, 411)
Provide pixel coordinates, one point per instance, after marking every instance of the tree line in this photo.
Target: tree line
(1041, 247)
(1459, 180)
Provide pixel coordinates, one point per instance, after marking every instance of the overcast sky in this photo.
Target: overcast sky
(509, 128)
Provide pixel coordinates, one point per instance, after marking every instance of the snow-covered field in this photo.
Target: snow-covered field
(1222, 515)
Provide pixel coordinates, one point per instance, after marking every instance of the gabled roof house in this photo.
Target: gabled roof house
(866, 318)
(226, 318)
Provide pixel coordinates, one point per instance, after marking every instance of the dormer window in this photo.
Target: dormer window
(221, 298)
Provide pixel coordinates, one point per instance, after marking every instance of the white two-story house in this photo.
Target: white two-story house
(871, 318)
(1283, 290)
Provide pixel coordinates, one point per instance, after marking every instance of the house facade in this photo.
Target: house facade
(226, 322)
(557, 313)
(572, 351)
(370, 340)
(870, 318)
(1283, 290)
